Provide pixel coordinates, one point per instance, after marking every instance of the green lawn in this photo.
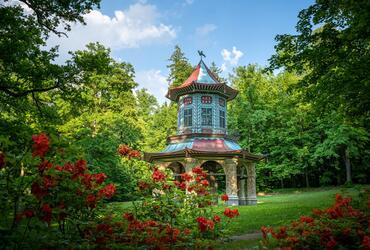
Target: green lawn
(278, 208)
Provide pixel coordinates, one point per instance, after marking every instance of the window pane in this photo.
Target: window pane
(222, 102)
(206, 99)
(206, 116)
(188, 100)
(188, 117)
(222, 119)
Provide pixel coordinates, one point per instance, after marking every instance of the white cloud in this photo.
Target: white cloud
(155, 82)
(205, 29)
(231, 58)
(188, 2)
(131, 28)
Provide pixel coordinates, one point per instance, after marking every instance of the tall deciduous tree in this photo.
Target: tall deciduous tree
(331, 51)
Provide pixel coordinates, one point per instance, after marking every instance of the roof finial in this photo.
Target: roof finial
(201, 54)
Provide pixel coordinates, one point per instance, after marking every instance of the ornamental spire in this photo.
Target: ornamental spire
(201, 54)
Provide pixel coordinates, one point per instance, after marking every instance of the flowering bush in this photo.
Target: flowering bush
(53, 203)
(60, 205)
(338, 227)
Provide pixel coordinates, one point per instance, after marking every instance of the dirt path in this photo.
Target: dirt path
(250, 236)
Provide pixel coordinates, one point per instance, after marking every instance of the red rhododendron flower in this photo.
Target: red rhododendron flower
(366, 242)
(68, 167)
(224, 197)
(99, 178)
(91, 200)
(107, 191)
(29, 213)
(104, 228)
(143, 185)
(128, 216)
(316, 211)
(2, 160)
(204, 183)
(87, 180)
(331, 244)
(265, 231)
(186, 231)
(216, 218)
(48, 181)
(197, 170)
(231, 213)
(134, 154)
(158, 175)
(80, 166)
(180, 185)
(205, 224)
(40, 146)
(306, 219)
(45, 165)
(123, 149)
(47, 211)
(37, 191)
(186, 177)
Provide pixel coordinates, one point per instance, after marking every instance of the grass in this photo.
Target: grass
(276, 209)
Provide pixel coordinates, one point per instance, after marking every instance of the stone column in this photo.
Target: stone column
(230, 167)
(251, 184)
(190, 163)
(242, 186)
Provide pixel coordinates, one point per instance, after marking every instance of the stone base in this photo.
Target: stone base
(233, 200)
(251, 201)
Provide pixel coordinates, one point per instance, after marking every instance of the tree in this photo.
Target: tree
(217, 72)
(180, 68)
(331, 52)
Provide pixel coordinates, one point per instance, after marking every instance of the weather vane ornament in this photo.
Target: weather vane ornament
(201, 54)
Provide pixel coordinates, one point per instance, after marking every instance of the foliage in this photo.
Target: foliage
(331, 51)
(46, 202)
(338, 227)
(180, 68)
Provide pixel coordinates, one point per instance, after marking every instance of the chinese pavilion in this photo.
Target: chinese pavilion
(202, 138)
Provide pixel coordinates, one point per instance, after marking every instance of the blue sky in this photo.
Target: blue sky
(144, 33)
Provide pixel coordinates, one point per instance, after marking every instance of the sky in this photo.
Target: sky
(145, 32)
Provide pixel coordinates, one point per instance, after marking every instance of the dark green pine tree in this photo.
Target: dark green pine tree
(217, 72)
(179, 67)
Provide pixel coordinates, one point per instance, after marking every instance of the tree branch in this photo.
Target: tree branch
(10, 92)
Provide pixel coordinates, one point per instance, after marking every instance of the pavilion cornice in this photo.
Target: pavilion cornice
(243, 154)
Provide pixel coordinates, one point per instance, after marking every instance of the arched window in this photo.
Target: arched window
(206, 99)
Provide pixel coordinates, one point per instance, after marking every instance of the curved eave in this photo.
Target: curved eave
(220, 88)
(150, 157)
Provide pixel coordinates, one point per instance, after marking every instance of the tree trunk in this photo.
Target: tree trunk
(348, 166)
(307, 181)
(282, 183)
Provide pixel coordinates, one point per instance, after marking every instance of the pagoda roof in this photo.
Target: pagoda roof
(201, 79)
(202, 146)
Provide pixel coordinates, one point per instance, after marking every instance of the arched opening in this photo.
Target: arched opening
(216, 176)
(177, 169)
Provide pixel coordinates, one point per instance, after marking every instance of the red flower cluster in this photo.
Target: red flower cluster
(216, 218)
(107, 191)
(158, 175)
(201, 184)
(231, 213)
(47, 213)
(224, 197)
(40, 146)
(340, 226)
(180, 185)
(125, 151)
(205, 224)
(2, 160)
(186, 177)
